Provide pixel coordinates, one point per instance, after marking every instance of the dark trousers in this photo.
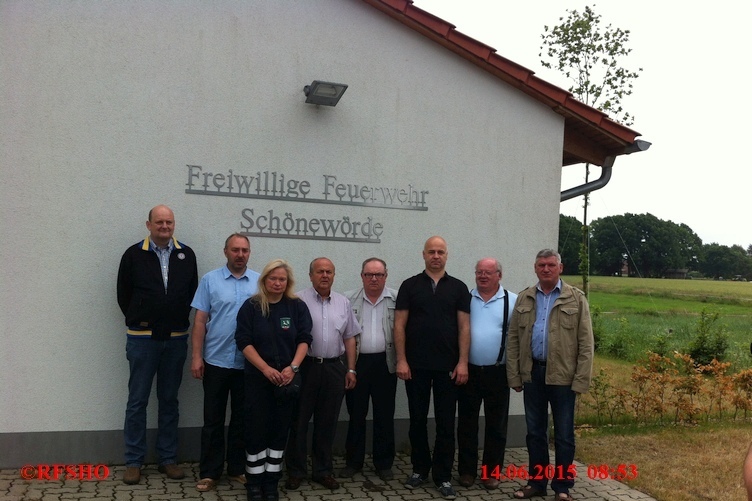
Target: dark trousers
(219, 384)
(444, 405)
(377, 384)
(321, 397)
(267, 424)
(487, 385)
(537, 396)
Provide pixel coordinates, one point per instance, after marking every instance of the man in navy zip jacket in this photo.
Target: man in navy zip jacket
(156, 282)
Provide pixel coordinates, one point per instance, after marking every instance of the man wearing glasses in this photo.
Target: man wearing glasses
(373, 305)
(491, 309)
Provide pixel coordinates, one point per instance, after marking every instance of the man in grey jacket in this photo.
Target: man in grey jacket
(373, 305)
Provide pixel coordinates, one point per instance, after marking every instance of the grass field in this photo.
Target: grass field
(710, 291)
(661, 315)
(676, 462)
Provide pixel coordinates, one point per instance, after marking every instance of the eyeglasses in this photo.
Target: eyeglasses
(369, 276)
(484, 273)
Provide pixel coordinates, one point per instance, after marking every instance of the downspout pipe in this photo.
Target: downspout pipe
(606, 168)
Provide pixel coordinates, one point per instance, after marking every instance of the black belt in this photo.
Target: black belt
(539, 362)
(481, 367)
(320, 360)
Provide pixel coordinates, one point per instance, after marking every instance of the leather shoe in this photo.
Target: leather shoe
(467, 480)
(491, 484)
(172, 471)
(385, 475)
(347, 472)
(255, 493)
(292, 483)
(271, 493)
(132, 475)
(327, 481)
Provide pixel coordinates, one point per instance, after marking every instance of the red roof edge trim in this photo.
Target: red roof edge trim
(471, 45)
(428, 20)
(509, 67)
(399, 5)
(584, 110)
(548, 90)
(615, 128)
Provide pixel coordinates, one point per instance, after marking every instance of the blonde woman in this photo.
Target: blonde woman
(273, 333)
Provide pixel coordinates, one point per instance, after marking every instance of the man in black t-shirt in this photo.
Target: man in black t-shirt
(432, 340)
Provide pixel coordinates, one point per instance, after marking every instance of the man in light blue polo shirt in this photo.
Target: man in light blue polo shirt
(491, 309)
(217, 361)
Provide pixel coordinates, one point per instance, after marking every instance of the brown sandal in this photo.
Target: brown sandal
(528, 492)
(563, 496)
(206, 485)
(237, 478)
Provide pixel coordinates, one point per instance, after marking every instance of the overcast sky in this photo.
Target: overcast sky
(691, 101)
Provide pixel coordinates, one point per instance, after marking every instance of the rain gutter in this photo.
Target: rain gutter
(636, 147)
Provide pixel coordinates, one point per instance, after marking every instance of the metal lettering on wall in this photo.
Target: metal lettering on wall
(273, 185)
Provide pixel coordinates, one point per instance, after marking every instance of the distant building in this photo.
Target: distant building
(680, 273)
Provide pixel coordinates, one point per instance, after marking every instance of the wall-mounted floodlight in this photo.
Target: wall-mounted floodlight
(326, 93)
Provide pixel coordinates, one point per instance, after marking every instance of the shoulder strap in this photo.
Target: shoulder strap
(504, 327)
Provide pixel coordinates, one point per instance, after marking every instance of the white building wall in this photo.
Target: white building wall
(104, 105)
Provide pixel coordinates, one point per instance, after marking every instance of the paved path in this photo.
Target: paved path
(363, 487)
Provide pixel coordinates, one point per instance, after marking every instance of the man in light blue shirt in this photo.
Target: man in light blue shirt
(491, 309)
(550, 357)
(217, 361)
(544, 302)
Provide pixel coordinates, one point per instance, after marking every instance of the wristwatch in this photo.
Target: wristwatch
(295, 368)
(352, 371)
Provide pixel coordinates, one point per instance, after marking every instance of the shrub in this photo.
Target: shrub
(742, 399)
(597, 322)
(711, 339)
(662, 388)
(621, 344)
(660, 344)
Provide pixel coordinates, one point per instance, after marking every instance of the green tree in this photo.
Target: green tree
(723, 261)
(691, 244)
(590, 57)
(647, 245)
(612, 241)
(569, 242)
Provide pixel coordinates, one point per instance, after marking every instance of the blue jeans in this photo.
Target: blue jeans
(538, 395)
(148, 358)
